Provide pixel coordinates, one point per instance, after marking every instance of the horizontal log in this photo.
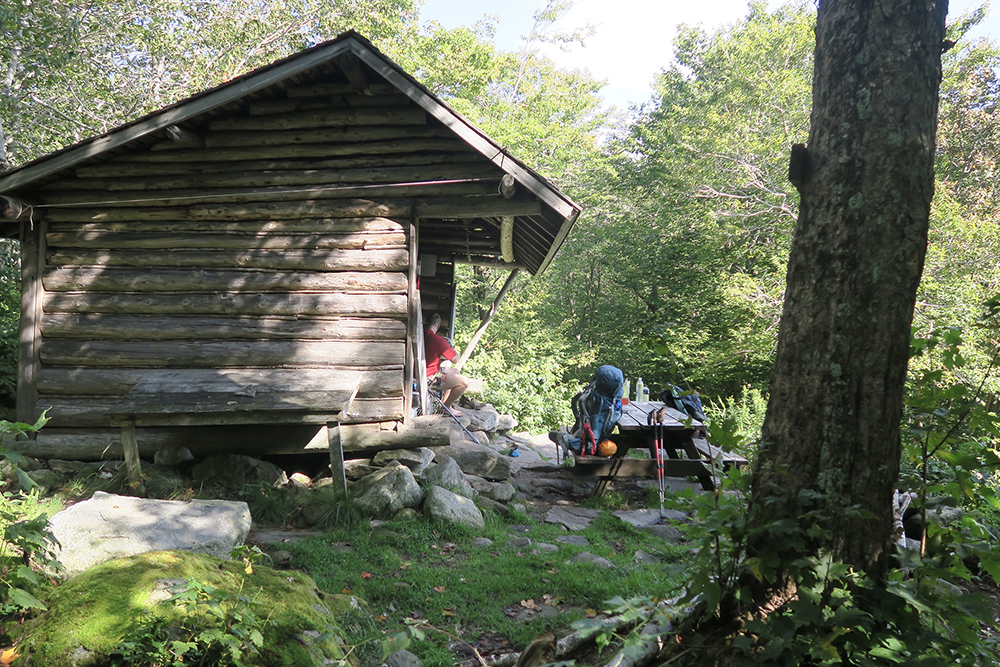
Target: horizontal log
(423, 431)
(269, 194)
(364, 410)
(256, 241)
(329, 208)
(324, 89)
(268, 107)
(105, 444)
(98, 279)
(258, 229)
(336, 118)
(96, 444)
(358, 305)
(373, 259)
(427, 207)
(96, 326)
(302, 151)
(288, 178)
(210, 354)
(341, 135)
(61, 383)
(128, 169)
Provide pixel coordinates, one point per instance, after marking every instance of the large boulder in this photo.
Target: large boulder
(387, 491)
(448, 475)
(443, 505)
(481, 420)
(479, 460)
(90, 615)
(239, 469)
(416, 460)
(109, 526)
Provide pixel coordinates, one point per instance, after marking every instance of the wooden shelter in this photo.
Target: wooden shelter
(294, 218)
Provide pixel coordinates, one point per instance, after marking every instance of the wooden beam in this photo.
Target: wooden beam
(30, 337)
(486, 320)
(14, 209)
(507, 238)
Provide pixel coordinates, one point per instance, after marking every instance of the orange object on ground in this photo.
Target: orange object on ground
(606, 448)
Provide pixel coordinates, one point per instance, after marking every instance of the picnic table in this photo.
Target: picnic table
(686, 455)
(230, 397)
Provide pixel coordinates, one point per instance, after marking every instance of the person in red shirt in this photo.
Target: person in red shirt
(453, 385)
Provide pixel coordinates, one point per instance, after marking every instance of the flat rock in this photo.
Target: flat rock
(482, 542)
(110, 526)
(670, 533)
(519, 542)
(641, 556)
(416, 460)
(591, 559)
(574, 518)
(479, 460)
(578, 540)
(648, 517)
(546, 547)
(280, 536)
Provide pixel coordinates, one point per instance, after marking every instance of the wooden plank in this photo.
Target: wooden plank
(99, 279)
(635, 415)
(116, 168)
(364, 410)
(175, 238)
(412, 323)
(29, 333)
(319, 304)
(352, 208)
(319, 119)
(279, 194)
(257, 230)
(240, 178)
(210, 354)
(337, 458)
(150, 327)
(130, 447)
(324, 151)
(76, 386)
(374, 258)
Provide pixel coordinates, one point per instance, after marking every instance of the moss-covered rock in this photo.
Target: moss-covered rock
(90, 615)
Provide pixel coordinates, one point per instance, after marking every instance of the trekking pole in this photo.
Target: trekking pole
(656, 419)
(457, 421)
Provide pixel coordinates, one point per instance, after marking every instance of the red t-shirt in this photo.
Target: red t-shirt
(436, 347)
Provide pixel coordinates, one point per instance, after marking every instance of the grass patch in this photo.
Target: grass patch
(409, 570)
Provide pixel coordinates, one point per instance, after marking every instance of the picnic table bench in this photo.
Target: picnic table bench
(229, 397)
(686, 455)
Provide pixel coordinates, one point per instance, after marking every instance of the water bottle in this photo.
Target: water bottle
(625, 389)
(639, 390)
(645, 393)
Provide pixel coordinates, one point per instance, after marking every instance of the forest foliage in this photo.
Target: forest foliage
(674, 272)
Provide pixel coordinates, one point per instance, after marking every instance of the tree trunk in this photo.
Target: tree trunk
(832, 422)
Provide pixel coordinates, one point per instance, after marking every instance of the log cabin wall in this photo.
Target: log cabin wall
(151, 266)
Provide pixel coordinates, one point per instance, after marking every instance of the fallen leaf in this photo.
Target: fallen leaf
(462, 579)
(8, 656)
(381, 617)
(346, 591)
(405, 566)
(591, 613)
(366, 575)
(529, 604)
(449, 611)
(440, 589)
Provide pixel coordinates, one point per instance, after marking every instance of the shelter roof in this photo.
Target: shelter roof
(543, 226)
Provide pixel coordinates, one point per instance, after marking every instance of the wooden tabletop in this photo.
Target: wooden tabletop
(635, 416)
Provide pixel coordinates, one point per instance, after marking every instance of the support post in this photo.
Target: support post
(337, 457)
(29, 334)
(132, 463)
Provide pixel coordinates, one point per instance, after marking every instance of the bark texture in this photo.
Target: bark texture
(832, 423)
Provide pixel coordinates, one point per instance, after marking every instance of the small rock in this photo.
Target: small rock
(591, 559)
(46, 479)
(641, 556)
(506, 423)
(406, 514)
(300, 480)
(416, 460)
(355, 469)
(402, 658)
(546, 547)
(519, 528)
(491, 505)
(172, 455)
(578, 540)
(237, 468)
(519, 542)
(670, 533)
(72, 468)
(482, 542)
(447, 474)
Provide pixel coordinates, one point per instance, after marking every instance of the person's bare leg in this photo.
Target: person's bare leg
(452, 389)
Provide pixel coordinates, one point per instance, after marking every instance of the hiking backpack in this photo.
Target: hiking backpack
(688, 403)
(597, 409)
